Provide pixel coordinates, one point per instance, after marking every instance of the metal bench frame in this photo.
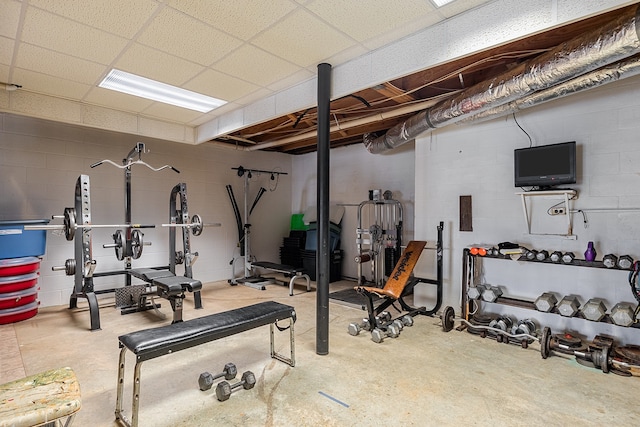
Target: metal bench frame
(147, 345)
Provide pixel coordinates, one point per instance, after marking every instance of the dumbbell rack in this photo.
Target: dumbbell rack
(470, 265)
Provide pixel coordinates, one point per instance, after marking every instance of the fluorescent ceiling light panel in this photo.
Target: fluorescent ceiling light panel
(440, 3)
(161, 92)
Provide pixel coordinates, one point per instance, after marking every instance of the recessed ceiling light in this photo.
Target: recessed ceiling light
(440, 3)
(150, 89)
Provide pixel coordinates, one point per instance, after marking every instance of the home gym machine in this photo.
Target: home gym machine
(77, 226)
(249, 264)
(380, 243)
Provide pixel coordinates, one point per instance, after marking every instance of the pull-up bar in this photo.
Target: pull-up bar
(242, 170)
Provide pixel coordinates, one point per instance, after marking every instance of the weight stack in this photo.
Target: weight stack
(335, 266)
(291, 247)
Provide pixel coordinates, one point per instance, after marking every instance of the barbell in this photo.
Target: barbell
(70, 225)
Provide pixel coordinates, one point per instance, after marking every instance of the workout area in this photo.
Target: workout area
(361, 214)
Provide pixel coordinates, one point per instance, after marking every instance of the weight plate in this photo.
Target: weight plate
(448, 316)
(69, 223)
(545, 342)
(119, 248)
(196, 225)
(136, 243)
(604, 359)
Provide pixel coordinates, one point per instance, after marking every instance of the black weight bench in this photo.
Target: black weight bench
(287, 270)
(170, 287)
(151, 343)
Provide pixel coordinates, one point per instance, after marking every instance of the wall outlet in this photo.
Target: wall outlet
(557, 211)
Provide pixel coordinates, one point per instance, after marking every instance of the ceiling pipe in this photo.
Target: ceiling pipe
(349, 124)
(592, 80)
(615, 41)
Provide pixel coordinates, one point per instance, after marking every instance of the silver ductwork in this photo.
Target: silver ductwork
(594, 79)
(614, 42)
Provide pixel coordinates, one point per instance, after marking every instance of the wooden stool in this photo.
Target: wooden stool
(42, 399)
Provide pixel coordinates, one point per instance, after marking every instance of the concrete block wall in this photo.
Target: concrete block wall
(353, 172)
(40, 162)
(477, 160)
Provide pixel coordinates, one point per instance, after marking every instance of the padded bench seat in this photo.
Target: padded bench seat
(155, 342)
(170, 286)
(294, 272)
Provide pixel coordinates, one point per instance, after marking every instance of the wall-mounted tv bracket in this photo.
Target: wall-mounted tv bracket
(565, 195)
(244, 228)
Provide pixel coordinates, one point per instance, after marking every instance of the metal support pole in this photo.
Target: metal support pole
(323, 252)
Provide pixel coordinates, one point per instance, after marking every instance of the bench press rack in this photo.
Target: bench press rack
(128, 245)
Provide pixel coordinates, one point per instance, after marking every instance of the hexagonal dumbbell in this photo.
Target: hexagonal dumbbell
(475, 292)
(355, 328)
(622, 314)
(378, 335)
(491, 294)
(569, 306)
(594, 309)
(224, 389)
(546, 302)
(206, 380)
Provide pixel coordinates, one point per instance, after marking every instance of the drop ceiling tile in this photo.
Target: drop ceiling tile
(255, 65)
(171, 113)
(9, 18)
(404, 31)
(113, 99)
(220, 85)
(366, 20)
(302, 39)
(6, 50)
(4, 73)
(122, 17)
(66, 36)
(241, 18)
(293, 79)
(188, 38)
(57, 64)
(108, 118)
(457, 7)
(153, 64)
(56, 86)
(46, 106)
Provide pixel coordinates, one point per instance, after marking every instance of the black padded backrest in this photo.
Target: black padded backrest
(150, 343)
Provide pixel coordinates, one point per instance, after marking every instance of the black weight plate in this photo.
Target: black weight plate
(545, 341)
(448, 314)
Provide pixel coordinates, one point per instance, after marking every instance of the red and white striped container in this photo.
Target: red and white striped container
(18, 289)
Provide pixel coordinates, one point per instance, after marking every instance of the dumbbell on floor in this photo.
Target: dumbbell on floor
(378, 335)
(224, 389)
(355, 328)
(206, 380)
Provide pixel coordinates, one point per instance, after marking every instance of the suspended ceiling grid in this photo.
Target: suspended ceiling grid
(241, 51)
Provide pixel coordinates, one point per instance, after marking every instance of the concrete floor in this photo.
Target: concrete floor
(424, 377)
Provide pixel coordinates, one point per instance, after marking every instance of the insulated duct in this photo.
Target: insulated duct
(609, 74)
(615, 41)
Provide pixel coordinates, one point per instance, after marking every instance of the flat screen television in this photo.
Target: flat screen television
(546, 166)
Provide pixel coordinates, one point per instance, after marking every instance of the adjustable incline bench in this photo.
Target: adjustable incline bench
(287, 270)
(151, 343)
(170, 287)
(399, 284)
